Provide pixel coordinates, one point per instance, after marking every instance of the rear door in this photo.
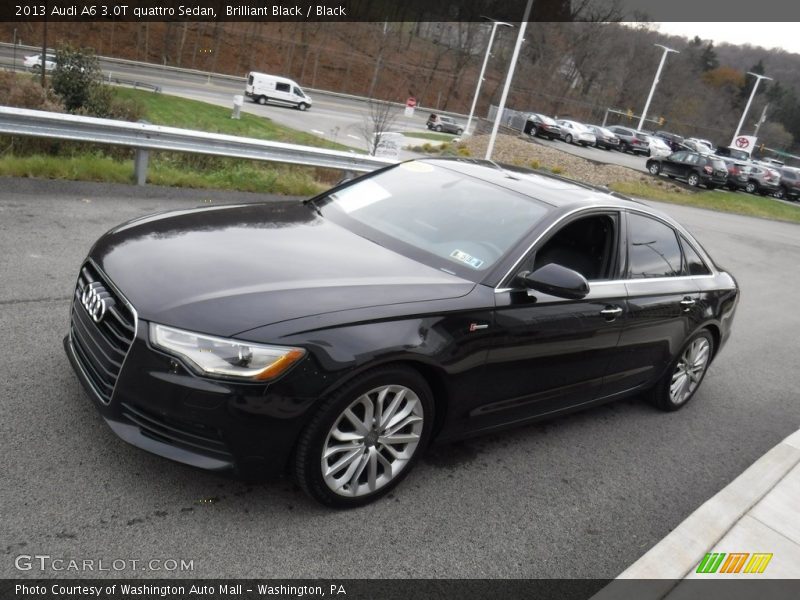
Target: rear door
(663, 304)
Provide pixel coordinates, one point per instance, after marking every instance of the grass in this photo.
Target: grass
(161, 109)
(244, 176)
(738, 203)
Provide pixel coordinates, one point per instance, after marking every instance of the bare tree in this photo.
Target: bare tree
(379, 118)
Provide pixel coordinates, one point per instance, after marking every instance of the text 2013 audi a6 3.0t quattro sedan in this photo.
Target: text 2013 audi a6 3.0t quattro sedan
(333, 339)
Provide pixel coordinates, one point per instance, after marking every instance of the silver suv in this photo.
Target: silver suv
(446, 124)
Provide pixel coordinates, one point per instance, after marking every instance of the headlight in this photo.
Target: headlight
(222, 357)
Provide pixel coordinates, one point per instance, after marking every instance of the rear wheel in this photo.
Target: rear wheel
(685, 374)
(459, 131)
(751, 187)
(654, 168)
(568, 139)
(438, 128)
(623, 147)
(780, 194)
(693, 180)
(365, 439)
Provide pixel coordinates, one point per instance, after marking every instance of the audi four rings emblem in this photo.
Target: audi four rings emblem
(96, 300)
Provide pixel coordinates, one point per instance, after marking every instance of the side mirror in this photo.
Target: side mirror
(557, 281)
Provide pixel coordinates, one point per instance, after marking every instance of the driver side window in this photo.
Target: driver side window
(587, 245)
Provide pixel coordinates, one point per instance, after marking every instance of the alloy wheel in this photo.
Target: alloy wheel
(689, 371)
(372, 441)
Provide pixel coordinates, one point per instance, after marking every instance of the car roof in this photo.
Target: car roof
(556, 191)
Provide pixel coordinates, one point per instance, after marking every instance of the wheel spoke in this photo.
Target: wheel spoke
(346, 460)
(409, 420)
(393, 406)
(331, 450)
(360, 426)
(379, 405)
(346, 436)
(372, 473)
(401, 414)
(353, 481)
(399, 438)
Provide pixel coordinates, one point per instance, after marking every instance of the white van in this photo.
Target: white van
(263, 88)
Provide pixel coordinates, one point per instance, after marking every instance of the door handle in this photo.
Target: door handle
(687, 304)
(611, 312)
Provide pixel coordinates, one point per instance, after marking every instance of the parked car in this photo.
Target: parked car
(34, 62)
(673, 140)
(658, 147)
(693, 167)
(542, 125)
(605, 138)
(789, 187)
(694, 146)
(701, 143)
(432, 299)
(762, 180)
(734, 153)
(445, 124)
(737, 173)
(631, 140)
(573, 132)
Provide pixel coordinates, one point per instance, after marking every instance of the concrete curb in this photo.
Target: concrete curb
(679, 553)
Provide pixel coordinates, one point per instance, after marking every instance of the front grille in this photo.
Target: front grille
(101, 345)
(190, 436)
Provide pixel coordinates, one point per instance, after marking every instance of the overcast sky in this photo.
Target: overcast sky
(768, 35)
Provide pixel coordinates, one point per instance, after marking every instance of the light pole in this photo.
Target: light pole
(509, 77)
(495, 25)
(655, 83)
(749, 101)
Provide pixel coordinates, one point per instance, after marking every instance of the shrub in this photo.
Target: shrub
(76, 79)
(557, 170)
(534, 164)
(24, 91)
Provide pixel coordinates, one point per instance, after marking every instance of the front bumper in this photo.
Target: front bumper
(161, 407)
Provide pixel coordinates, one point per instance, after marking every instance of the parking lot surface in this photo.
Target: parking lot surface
(580, 496)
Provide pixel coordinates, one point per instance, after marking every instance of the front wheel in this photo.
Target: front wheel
(459, 131)
(302, 106)
(438, 128)
(693, 180)
(568, 139)
(262, 100)
(751, 187)
(685, 374)
(365, 438)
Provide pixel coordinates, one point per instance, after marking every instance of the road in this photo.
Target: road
(578, 497)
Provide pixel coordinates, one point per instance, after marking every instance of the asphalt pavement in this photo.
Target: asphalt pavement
(580, 496)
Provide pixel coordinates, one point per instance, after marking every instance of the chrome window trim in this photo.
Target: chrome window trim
(679, 229)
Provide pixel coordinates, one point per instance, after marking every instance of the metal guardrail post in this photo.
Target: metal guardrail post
(140, 165)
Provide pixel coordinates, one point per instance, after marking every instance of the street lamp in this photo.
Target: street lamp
(746, 108)
(655, 82)
(509, 77)
(495, 25)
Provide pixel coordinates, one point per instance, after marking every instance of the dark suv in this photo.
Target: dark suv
(693, 167)
(631, 140)
(790, 184)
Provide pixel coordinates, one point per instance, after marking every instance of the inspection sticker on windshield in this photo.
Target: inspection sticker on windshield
(473, 262)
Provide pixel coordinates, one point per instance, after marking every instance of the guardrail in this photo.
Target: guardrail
(145, 137)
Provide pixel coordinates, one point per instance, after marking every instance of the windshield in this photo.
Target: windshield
(437, 216)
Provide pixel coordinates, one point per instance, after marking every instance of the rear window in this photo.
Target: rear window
(718, 164)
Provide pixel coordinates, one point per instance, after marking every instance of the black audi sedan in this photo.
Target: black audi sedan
(334, 339)
(693, 167)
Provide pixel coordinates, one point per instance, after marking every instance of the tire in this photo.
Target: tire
(654, 168)
(302, 107)
(438, 128)
(459, 131)
(262, 100)
(685, 374)
(623, 147)
(392, 462)
(568, 138)
(751, 187)
(780, 193)
(693, 180)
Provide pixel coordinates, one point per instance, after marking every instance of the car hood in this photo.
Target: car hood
(223, 271)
